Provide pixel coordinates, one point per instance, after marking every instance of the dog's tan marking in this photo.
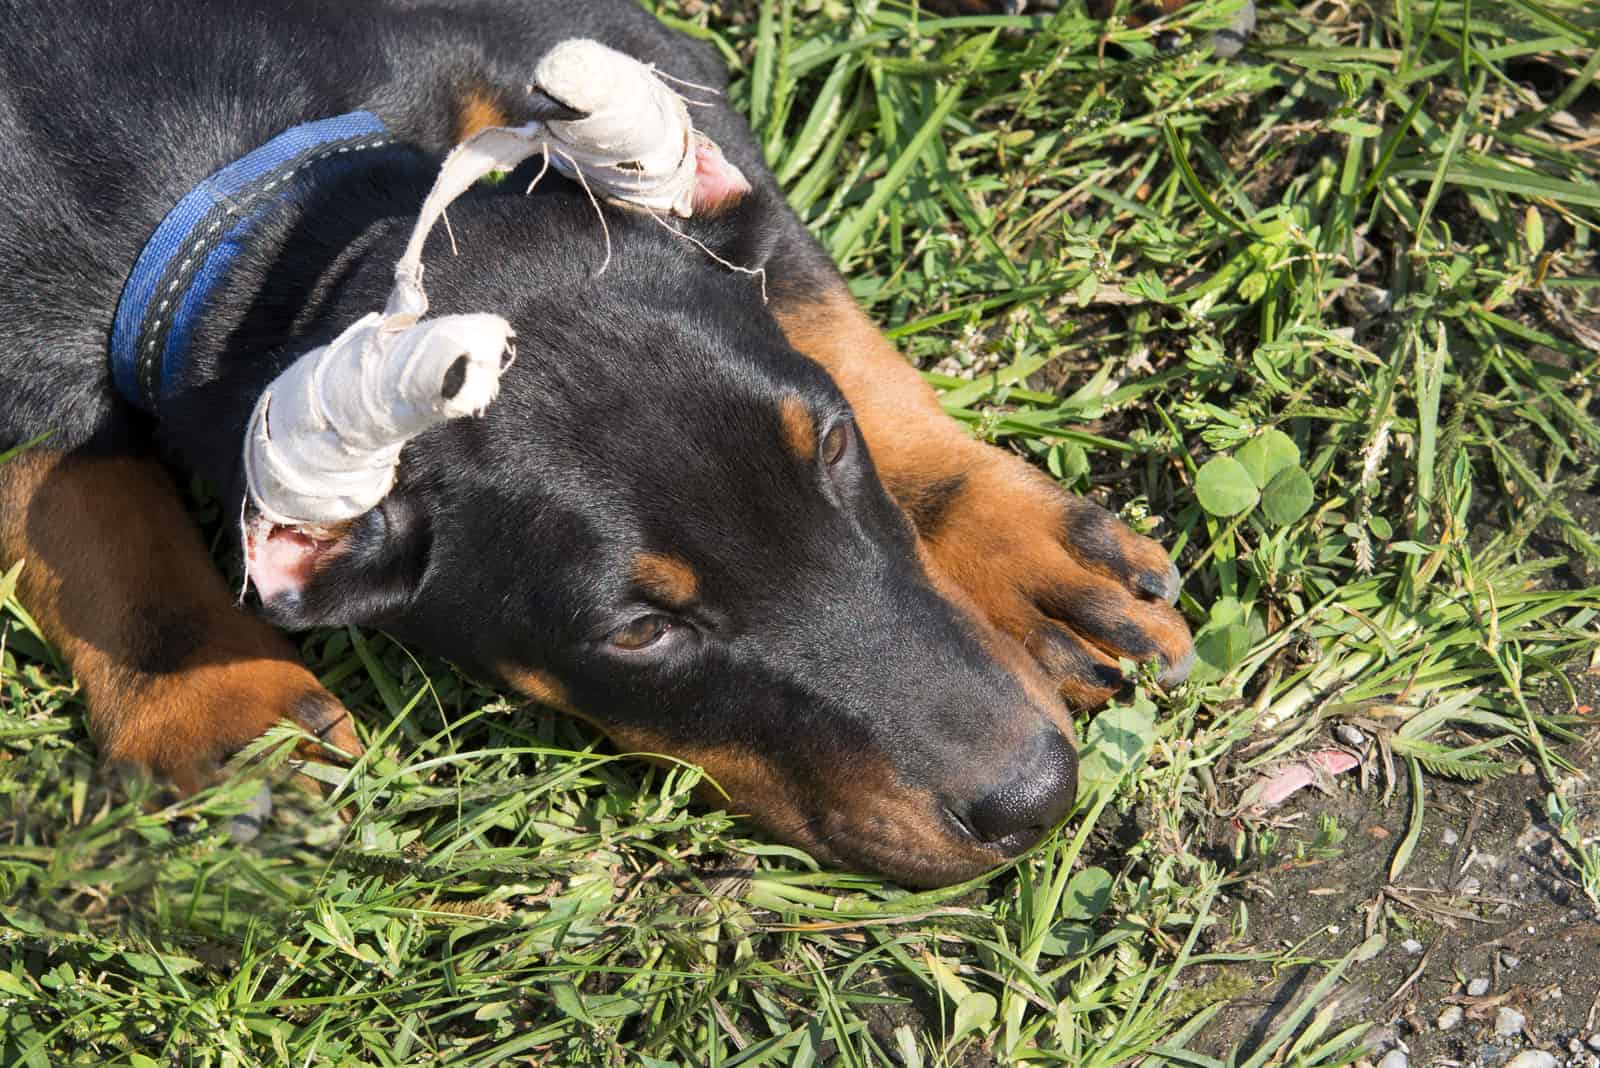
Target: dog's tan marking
(669, 579)
(176, 677)
(890, 825)
(478, 110)
(799, 428)
(543, 687)
(753, 784)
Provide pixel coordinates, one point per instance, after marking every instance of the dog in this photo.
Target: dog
(709, 510)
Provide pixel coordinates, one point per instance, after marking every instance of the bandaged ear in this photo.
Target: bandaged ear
(326, 435)
(635, 142)
(325, 438)
(634, 145)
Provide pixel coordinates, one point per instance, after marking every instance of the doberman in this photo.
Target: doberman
(719, 521)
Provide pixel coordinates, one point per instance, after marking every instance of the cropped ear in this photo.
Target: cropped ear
(635, 143)
(718, 184)
(363, 571)
(325, 438)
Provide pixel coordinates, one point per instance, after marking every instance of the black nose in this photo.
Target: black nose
(1018, 813)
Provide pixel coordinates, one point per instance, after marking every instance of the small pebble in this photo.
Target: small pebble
(1450, 1017)
(1395, 1058)
(1507, 961)
(1412, 946)
(1508, 1022)
(1384, 1038)
(1349, 735)
(1533, 1058)
(1450, 836)
(1477, 988)
(1593, 1041)
(1469, 885)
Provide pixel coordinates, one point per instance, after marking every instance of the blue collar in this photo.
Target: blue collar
(189, 255)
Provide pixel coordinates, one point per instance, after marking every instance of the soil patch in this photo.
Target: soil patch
(1493, 948)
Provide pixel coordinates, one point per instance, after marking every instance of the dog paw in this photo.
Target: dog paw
(1108, 596)
(183, 727)
(1078, 588)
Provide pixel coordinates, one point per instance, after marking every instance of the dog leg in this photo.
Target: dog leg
(1076, 587)
(175, 675)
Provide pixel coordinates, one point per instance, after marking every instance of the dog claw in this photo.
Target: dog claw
(325, 717)
(1157, 586)
(247, 825)
(1175, 673)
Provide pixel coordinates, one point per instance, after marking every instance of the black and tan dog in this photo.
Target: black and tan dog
(737, 531)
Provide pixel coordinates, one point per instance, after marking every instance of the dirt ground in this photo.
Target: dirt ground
(1486, 928)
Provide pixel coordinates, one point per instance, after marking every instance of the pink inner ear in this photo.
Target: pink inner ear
(279, 559)
(717, 181)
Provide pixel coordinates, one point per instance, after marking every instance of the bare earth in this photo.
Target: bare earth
(1487, 897)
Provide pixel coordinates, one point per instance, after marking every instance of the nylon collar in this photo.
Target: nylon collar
(190, 253)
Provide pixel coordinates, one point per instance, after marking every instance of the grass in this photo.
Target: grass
(1323, 320)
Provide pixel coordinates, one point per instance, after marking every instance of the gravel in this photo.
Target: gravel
(1533, 1058)
(1395, 1058)
(1508, 1022)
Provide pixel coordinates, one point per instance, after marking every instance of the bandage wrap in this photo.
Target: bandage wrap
(325, 439)
(326, 436)
(635, 143)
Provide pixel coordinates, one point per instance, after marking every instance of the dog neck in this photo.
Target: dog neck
(294, 268)
(188, 264)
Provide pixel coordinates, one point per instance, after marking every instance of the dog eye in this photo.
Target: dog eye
(641, 633)
(835, 443)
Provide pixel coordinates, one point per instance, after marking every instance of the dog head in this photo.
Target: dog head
(667, 524)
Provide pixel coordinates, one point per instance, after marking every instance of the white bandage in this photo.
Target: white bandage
(326, 436)
(635, 143)
(636, 146)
